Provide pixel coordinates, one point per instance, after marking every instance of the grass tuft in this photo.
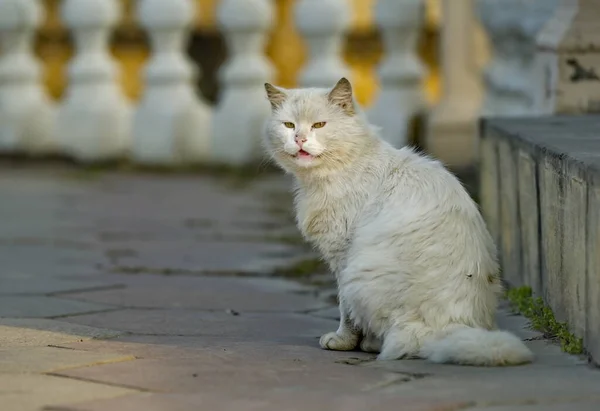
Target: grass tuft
(542, 319)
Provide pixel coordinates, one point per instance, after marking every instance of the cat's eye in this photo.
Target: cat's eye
(320, 124)
(289, 124)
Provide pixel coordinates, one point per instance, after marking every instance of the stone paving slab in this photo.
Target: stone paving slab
(52, 359)
(575, 405)
(229, 377)
(202, 323)
(519, 325)
(163, 236)
(205, 257)
(27, 225)
(492, 387)
(209, 365)
(205, 293)
(167, 347)
(128, 197)
(213, 350)
(247, 255)
(332, 313)
(44, 307)
(32, 332)
(20, 260)
(31, 392)
(292, 401)
(24, 284)
(201, 341)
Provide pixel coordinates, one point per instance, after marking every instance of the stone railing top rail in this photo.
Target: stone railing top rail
(574, 137)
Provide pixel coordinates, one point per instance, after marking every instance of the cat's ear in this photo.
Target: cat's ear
(341, 95)
(275, 95)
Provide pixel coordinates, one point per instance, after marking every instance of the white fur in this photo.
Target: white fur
(415, 264)
(477, 346)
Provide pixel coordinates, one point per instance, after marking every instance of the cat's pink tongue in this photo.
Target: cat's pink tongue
(304, 154)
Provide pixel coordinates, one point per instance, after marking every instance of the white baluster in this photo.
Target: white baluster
(172, 123)
(26, 113)
(94, 121)
(512, 26)
(323, 24)
(453, 123)
(243, 107)
(540, 13)
(401, 73)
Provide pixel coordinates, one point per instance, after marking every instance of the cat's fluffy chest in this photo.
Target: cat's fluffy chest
(327, 216)
(320, 216)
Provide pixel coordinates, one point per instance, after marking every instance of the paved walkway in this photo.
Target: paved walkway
(137, 292)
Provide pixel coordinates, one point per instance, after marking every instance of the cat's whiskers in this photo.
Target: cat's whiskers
(331, 158)
(264, 163)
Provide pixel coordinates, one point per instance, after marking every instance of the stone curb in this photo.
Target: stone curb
(540, 196)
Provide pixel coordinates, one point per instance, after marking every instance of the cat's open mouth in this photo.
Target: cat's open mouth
(304, 155)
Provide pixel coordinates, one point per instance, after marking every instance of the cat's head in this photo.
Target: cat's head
(314, 129)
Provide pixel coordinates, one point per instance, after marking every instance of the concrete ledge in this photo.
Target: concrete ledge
(540, 195)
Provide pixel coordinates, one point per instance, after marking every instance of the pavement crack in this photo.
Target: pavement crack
(394, 379)
(107, 310)
(414, 375)
(354, 360)
(110, 384)
(168, 272)
(536, 338)
(87, 290)
(122, 358)
(61, 347)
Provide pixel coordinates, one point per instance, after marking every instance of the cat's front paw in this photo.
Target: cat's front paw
(337, 342)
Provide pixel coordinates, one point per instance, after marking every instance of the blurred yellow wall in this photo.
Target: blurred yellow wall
(285, 48)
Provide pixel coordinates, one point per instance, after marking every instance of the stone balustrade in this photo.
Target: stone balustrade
(172, 124)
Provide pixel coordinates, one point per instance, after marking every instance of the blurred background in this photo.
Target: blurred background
(362, 49)
(181, 81)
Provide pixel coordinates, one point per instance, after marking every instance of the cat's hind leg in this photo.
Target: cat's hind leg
(370, 343)
(346, 337)
(404, 342)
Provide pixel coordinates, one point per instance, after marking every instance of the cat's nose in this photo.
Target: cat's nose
(299, 140)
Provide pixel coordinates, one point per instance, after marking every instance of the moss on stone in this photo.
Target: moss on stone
(303, 268)
(542, 319)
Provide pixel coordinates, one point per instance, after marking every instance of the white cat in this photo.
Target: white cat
(415, 265)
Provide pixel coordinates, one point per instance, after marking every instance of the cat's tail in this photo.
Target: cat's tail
(477, 346)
